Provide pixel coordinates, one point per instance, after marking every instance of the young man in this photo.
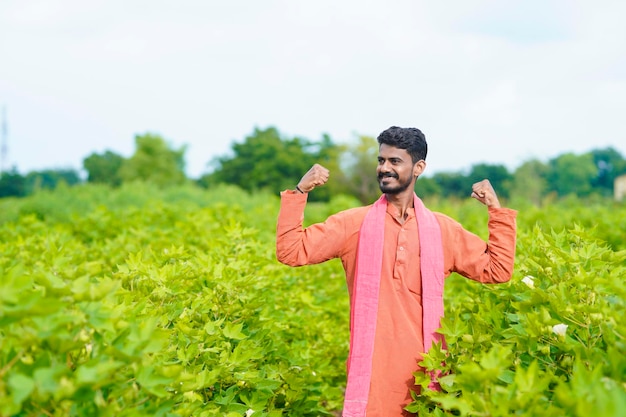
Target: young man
(396, 254)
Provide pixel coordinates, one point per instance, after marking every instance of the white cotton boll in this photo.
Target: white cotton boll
(528, 280)
(559, 329)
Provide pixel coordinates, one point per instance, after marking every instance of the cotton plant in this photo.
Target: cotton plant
(559, 329)
(529, 281)
(528, 349)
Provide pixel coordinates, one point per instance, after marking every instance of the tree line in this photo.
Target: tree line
(267, 160)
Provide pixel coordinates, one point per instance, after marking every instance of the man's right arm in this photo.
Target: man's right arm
(317, 243)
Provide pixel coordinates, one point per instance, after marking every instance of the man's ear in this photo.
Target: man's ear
(419, 167)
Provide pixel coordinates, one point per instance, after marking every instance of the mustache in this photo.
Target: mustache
(387, 175)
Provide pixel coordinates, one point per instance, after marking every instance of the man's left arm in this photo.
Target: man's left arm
(491, 261)
(501, 245)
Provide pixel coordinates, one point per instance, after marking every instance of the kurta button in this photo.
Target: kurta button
(401, 248)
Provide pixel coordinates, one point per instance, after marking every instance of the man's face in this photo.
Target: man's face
(396, 171)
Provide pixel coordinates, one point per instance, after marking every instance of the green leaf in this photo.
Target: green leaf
(507, 376)
(21, 387)
(233, 331)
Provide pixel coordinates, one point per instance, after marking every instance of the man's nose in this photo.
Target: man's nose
(384, 167)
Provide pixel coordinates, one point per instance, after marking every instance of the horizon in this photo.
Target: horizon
(462, 170)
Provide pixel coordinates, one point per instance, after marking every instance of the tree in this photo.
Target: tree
(529, 181)
(427, 187)
(497, 174)
(572, 174)
(360, 161)
(267, 161)
(104, 168)
(453, 184)
(154, 161)
(329, 155)
(12, 184)
(50, 179)
(610, 164)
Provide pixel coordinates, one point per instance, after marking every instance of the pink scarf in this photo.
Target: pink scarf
(364, 301)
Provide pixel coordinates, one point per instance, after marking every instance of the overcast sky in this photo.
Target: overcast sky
(487, 81)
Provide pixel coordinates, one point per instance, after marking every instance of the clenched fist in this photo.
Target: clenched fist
(316, 176)
(484, 192)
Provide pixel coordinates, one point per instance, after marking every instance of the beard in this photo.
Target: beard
(389, 189)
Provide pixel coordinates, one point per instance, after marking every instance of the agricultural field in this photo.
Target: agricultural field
(139, 301)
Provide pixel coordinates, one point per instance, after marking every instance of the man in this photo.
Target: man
(396, 254)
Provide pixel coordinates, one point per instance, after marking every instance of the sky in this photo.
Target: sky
(486, 81)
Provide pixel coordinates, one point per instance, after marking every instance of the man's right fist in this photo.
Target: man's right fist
(316, 176)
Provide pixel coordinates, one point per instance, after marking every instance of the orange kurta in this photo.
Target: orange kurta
(399, 342)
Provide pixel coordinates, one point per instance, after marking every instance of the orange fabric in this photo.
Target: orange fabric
(399, 341)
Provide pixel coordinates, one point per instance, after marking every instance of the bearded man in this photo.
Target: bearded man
(396, 254)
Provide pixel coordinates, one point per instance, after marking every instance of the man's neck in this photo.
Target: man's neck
(403, 202)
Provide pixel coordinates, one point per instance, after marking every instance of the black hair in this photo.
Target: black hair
(409, 138)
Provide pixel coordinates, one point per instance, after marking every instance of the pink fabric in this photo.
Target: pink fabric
(365, 295)
(431, 267)
(364, 309)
